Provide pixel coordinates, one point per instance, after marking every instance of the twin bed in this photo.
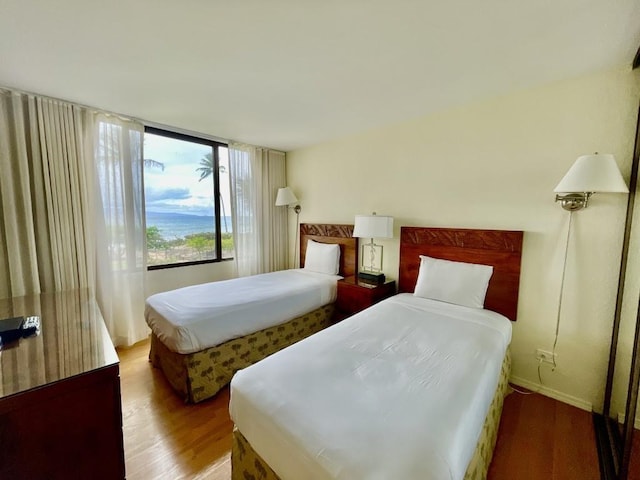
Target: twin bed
(410, 388)
(202, 335)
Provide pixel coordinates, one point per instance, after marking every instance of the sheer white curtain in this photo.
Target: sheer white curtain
(119, 227)
(259, 227)
(45, 244)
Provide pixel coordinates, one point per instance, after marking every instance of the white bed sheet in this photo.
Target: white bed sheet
(193, 318)
(398, 391)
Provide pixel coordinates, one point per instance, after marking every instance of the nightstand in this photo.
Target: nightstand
(355, 295)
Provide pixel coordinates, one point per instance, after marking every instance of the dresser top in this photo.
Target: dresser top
(73, 340)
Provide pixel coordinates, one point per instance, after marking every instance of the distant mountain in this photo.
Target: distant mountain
(176, 225)
(165, 215)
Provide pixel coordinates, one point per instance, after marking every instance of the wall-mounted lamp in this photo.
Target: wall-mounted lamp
(597, 173)
(372, 226)
(287, 198)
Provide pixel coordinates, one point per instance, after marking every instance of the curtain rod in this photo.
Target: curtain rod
(146, 123)
(77, 104)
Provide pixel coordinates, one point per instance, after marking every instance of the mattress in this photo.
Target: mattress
(400, 390)
(193, 318)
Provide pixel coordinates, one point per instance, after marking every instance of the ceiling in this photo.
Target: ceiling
(289, 74)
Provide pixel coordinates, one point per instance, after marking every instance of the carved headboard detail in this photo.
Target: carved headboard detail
(500, 248)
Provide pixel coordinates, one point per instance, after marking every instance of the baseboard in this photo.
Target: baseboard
(622, 417)
(550, 392)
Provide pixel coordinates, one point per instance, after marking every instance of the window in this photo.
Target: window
(187, 200)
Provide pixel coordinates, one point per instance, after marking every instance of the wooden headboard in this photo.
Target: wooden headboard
(330, 233)
(500, 248)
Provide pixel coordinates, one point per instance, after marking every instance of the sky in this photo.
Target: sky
(176, 188)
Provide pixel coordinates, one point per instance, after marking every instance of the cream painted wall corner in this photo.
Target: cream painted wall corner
(494, 164)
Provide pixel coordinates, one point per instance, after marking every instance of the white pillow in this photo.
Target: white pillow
(322, 257)
(453, 282)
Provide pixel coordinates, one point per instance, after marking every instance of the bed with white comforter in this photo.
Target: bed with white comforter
(201, 335)
(398, 391)
(193, 318)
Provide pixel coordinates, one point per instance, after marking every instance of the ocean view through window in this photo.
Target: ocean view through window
(187, 200)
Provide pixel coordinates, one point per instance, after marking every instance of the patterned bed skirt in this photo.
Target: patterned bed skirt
(247, 464)
(200, 375)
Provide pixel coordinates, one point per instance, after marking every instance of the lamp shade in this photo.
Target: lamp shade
(593, 173)
(285, 197)
(373, 226)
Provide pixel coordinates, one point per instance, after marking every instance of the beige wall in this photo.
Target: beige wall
(494, 165)
(178, 277)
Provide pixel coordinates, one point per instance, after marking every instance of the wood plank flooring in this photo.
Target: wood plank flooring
(634, 466)
(163, 437)
(539, 438)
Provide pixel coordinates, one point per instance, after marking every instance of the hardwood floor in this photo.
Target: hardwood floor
(163, 437)
(539, 438)
(634, 467)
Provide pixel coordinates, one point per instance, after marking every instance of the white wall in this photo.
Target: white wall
(494, 164)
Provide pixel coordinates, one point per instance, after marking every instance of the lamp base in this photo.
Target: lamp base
(371, 277)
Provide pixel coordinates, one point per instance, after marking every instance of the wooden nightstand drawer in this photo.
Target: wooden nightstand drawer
(354, 295)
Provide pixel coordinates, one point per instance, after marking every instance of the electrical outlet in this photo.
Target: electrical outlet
(545, 356)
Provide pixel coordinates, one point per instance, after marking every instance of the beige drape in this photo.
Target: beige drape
(259, 227)
(71, 207)
(44, 199)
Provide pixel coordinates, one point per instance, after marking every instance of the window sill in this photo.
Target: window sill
(186, 264)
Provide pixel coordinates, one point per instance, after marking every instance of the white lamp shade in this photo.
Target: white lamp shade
(285, 197)
(373, 226)
(593, 173)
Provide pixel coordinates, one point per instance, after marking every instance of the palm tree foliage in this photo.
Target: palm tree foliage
(206, 167)
(206, 170)
(149, 162)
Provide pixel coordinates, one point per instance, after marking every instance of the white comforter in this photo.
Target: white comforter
(193, 318)
(399, 391)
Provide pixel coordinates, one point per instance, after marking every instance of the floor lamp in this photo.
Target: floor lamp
(287, 198)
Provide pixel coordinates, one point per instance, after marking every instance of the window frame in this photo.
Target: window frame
(216, 193)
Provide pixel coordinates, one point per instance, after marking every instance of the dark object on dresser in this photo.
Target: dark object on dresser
(10, 329)
(15, 328)
(374, 278)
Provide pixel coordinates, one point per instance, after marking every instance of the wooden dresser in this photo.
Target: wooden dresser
(60, 408)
